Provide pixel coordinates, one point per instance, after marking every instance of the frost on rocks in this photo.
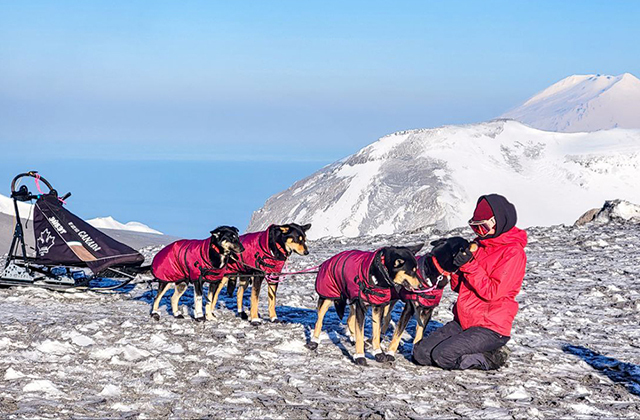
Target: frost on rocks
(574, 348)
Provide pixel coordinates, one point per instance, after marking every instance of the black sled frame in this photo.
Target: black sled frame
(20, 269)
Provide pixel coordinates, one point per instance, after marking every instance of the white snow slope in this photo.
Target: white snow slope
(432, 177)
(110, 223)
(6, 207)
(583, 103)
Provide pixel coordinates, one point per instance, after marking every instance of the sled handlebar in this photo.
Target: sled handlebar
(33, 174)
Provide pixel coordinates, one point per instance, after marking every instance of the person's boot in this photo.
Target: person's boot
(497, 358)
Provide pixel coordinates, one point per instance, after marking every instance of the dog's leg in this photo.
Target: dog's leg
(273, 288)
(323, 307)
(360, 311)
(163, 286)
(255, 296)
(197, 301)
(351, 325)
(377, 314)
(387, 316)
(424, 315)
(180, 288)
(212, 301)
(242, 286)
(407, 313)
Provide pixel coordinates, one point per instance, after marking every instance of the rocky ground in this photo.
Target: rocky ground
(574, 349)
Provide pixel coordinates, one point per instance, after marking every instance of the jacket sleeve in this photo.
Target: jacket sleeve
(506, 276)
(455, 282)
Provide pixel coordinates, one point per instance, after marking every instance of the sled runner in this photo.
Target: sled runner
(68, 253)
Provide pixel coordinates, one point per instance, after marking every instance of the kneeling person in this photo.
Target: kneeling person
(487, 283)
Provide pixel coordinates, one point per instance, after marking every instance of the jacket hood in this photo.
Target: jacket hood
(503, 211)
(513, 235)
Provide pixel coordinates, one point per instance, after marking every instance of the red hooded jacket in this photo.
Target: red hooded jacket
(488, 284)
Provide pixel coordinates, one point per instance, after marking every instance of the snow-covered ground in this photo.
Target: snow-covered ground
(575, 348)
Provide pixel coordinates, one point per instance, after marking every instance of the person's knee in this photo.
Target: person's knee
(421, 354)
(444, 358)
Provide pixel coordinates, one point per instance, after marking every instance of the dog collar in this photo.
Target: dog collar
(215, 248)
(442, 272)
(282, 250)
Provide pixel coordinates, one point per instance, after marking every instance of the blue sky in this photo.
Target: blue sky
(279, 81)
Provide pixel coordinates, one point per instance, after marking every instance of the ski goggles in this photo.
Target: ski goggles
(482, 227)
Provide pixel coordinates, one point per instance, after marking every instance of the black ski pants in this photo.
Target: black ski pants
(451, 347)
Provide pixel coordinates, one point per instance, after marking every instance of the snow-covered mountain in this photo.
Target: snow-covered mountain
(6, 207)
(110, 223)
(413, 179)
(583, 103)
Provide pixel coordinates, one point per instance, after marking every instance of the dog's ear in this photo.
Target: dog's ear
(215, 233)
(414, 248)
(285, 229)
(235, 229)
(398, 262)
(438, 242)
(305, 227)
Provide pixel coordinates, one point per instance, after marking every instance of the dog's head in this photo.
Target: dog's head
(226, 239)
(401, 265)
(291, 237)
(444, 250)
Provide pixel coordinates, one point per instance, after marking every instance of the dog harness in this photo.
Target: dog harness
(187, 259)
(428, 297)
(257, 256)
(346, 276)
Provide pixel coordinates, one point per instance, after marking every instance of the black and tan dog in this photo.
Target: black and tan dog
(363, 279)
(434, 271)
(265, 255)
(193, 261)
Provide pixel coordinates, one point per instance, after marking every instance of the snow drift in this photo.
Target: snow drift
(432, 177)
(583, 103)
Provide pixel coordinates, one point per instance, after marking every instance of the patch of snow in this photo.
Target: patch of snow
(42, 386)
(110, 391)
(54, 347)
(11, 374)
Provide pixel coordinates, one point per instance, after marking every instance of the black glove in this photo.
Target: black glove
(462, 257)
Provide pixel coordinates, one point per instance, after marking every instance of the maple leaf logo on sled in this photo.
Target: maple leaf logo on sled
(45, 242)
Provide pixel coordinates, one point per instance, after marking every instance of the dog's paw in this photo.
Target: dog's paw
(155, 316)
(381, 357)
(360, 361)
(311, 345)
(199, 319)
(242, 315)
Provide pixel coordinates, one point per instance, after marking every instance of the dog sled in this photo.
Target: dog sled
(67, 253)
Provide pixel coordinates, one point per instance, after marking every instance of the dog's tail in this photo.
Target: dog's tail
(231, 286)
(340, 306)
